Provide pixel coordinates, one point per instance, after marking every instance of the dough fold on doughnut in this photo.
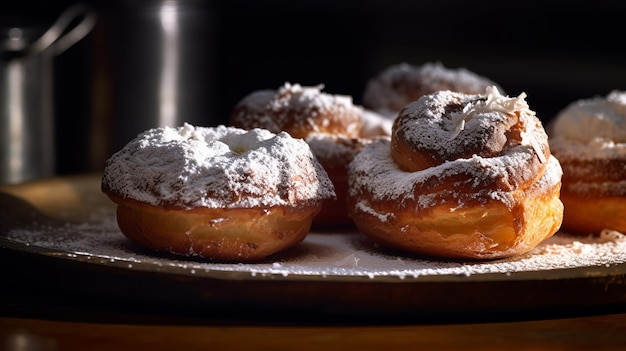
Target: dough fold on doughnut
(444, 193)
(589, 138)
(221, 193)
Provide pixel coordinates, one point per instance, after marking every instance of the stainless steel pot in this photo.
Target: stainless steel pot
(27, 145)
(153, 68)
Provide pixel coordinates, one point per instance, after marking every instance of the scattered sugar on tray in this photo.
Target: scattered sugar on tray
(350, 261)
(322, 254)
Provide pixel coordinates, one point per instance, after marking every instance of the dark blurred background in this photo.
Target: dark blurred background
(110, 86)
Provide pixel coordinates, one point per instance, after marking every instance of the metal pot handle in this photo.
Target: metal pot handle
(54, 37)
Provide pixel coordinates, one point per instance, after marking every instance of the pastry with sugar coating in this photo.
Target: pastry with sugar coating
(465, 176)
(221, 193)
(334, 127)
(398, 85)
(589, 138)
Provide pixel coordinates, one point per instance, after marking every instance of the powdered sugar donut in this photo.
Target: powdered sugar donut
(221, 193)
(589, 139)
(398, 85)
(464, 176)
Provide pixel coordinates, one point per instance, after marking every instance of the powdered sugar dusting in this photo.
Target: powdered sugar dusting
(220, 167)
(591, 129)
(375, 172)
(303, 98)
(319, 256)
(481, 124)
(493, 101)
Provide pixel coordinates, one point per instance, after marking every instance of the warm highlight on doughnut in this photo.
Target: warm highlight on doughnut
(239, 234)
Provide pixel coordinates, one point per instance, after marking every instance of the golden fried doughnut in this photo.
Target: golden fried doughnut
(589, 138)
(220, 193)
(463, 176)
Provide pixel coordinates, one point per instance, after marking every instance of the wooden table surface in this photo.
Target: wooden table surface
(605, 332)
(37, 320)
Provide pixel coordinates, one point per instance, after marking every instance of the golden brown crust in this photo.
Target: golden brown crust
(592, 214)
(215, 234)
(475, 231)
(594, 195)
